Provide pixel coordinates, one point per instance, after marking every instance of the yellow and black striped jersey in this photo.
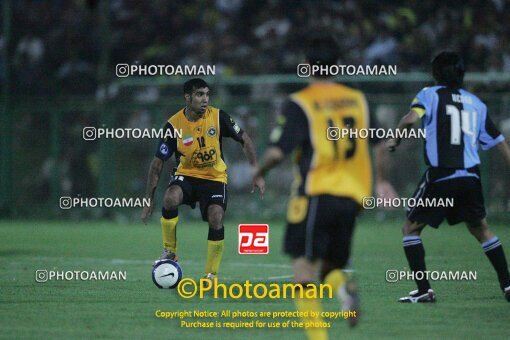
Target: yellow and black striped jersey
(199, 151)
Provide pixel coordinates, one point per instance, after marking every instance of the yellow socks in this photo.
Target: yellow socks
(215, 245)
(214, 255)
(312, 305)
(336, 278)
(168, 228)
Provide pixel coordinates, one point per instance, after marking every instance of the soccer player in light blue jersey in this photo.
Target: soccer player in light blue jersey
(456, 123)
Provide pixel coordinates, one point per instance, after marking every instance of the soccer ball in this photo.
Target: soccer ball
(166, 274)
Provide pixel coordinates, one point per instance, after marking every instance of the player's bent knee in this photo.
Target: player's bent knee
(480, 230)
(173, 198)
(412, 228)
(215, 215)
(170, 203)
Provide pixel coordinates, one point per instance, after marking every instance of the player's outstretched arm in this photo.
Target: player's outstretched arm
(152, 183)
(406, 123)
(383, 187)
(504, 150)
(272, 157)
(249, 152)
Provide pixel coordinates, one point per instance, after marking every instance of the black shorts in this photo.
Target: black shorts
(465, 192)
(200, 190)
(320, 227)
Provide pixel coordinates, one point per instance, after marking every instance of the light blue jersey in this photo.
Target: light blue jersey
(456, 122)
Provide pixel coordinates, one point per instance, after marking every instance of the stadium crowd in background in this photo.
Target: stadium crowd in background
(58, 42)
(55, 52)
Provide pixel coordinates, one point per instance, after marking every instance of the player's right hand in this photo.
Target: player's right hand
(259, 182)
(147, 212)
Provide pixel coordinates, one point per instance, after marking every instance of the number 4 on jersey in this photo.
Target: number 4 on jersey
(467, 125)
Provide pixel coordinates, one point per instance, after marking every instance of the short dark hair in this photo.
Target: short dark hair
(193, 84)
(321, 49)
(448, 69)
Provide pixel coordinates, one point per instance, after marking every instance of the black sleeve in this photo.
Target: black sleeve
(491, 128)
(167, 146)
(229, 128)
(374, 124)
(292, 129)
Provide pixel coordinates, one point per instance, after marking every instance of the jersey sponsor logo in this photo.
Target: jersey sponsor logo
(163, 149)
(253, 239)
(187, 141)
(211, 131)
(217, 196)
(204, 158)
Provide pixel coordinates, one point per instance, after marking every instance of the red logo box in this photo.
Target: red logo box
(253, 239)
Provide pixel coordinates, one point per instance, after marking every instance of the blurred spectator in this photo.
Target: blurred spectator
(382, 49)
(250, 36)
(28, 60)
(76, 76)
(30, 50)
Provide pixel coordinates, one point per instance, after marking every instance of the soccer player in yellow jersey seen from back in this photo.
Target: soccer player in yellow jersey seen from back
(333, 176)
(201, 174)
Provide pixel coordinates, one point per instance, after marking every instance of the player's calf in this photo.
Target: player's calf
(215, 215)
(215, 240)
(494, 251)
(480, 230)
(415, 252)
(169, 219)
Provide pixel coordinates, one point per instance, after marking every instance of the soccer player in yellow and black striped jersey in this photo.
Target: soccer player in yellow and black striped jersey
(201, 174)
(331, 180)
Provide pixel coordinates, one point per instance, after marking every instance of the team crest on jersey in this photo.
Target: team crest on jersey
(211, 131)
(187, 141)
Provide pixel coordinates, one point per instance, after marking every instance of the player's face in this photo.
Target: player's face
(199, 100)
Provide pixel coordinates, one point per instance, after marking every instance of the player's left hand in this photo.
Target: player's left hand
(147, 212)
(259, 182)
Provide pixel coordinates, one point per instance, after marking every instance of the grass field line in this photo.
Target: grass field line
(268, 265)
(89, 260)
(81, 260)
(276, 277)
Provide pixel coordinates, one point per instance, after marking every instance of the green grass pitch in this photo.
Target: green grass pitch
(125, 309)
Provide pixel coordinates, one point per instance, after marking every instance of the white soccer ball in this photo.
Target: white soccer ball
(166, 274)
